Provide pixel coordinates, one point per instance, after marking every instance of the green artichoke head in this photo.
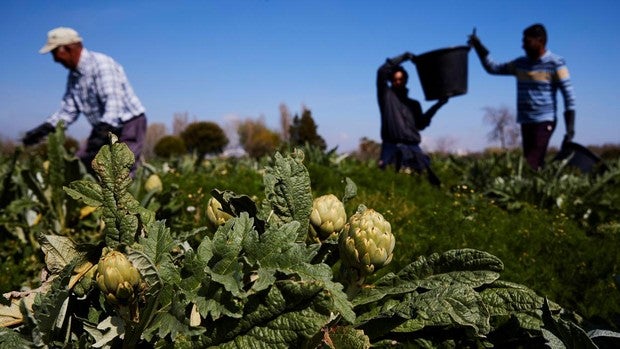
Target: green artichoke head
(153, 183)
(117, 278)
(328, 216)
(366, 243)
(215, 215)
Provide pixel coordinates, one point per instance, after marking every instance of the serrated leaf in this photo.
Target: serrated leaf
(288, 196)
(267, 249)
(436, 271)
(145, 266)
(388, 285)
(276, 250)
(286, 317)
(59, 252)
(505, 298)
(10, 339)
(48, 307)
(346, 337)
(225, 266)
(453, 306)
(449, 307)
(473, 279)
(166, 324)
(122, 213)
(157, 246)
(88, 192)
(205, 249)
(263, 278)
(106, 331)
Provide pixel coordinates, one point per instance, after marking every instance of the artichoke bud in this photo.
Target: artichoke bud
(328, 216)
(366, 243)
(153, 183)
(117, 278)
(215, 215)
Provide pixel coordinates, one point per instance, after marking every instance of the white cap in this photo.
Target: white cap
(58, 37)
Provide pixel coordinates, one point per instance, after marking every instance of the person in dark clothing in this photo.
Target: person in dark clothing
(402, 119)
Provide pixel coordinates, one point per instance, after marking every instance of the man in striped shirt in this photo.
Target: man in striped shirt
(98, 88)
(540, 74)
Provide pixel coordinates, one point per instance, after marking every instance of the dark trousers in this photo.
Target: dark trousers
(132, 133)
(536, 138)
(407, 156)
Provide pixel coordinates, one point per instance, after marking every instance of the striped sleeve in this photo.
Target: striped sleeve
(495, 68)
(561, 77)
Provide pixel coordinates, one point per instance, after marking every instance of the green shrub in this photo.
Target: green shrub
(170, 146)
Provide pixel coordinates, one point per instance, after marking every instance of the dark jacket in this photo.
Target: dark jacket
(401, 117)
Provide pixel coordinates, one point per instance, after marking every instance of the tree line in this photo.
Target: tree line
(253, 136)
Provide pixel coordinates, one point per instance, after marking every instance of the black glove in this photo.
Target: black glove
(34, 136)
(569, 120)
(475, 42)
(410, 56)
(443, 100)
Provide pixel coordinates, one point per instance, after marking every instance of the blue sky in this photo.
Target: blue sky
(227, 60)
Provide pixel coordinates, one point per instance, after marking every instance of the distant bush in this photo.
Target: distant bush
(204, 138)
(169, 146)
(257, 139)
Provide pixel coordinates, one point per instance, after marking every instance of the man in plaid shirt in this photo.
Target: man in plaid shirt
(98, 88)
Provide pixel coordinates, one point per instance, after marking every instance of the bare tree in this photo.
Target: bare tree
(154, 133)
(179, 123)
(231, 125)
(445, 145)
(256, 138)
(505, 128)
(285, 122)
(368, 150)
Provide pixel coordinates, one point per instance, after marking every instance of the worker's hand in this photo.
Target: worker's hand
(34, 136)
(474, 41)
(410, 56)
(569, 120)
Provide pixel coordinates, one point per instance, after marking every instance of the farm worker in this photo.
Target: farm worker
(402, 120)
(540, 73)
(97, 87)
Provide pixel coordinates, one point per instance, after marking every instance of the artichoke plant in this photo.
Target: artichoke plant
(327, 218)
(117, 278)
(153, 183)
(366, 243)
(215, 215)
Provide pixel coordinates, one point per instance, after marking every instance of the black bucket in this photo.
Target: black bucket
(580, 157)
(443, 73)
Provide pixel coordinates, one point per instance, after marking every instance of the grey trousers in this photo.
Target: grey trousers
(132, 133)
